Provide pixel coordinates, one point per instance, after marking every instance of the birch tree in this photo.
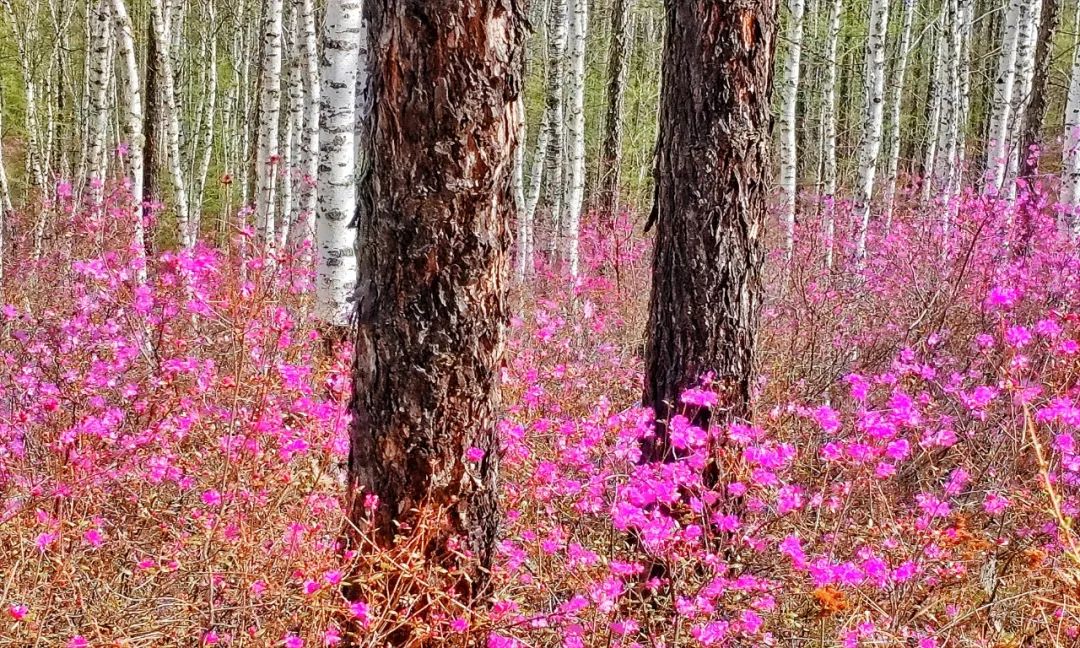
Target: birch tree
(100, 54)
(267, 161)
(950, 131)
(875, 99)
(1025, 69)
(554, 120)
(172, 121)
(788, 141)
(133, 122)
(343, 71)
(1039, 100)
(1070, 174)
(828, 126)
(309, 151)
(576, 131)
(205, 140)
(896, 106)
(936, 87)
(293, 130)
(997, 150)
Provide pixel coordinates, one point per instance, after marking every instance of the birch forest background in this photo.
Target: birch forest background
(529, 323)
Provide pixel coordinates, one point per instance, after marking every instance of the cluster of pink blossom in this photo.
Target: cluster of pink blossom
(171, 452)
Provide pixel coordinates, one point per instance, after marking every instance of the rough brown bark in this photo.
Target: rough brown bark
(433, 272)
(618, 66)
(712, 174)
(1036, 111)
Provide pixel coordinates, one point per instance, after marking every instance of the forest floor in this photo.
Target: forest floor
(170, 454)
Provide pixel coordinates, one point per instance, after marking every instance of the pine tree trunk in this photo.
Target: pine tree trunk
(875, 102)
(712, 172)
(575, 186)
(618, 69)
(1039, 102)
(343, 70)
(788, 140)
(432, 306)
(267, 162)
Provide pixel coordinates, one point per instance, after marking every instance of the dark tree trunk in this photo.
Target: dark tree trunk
(1036, 111)
(433, 272)
(712, 174)
(151, 122)
(618, 66)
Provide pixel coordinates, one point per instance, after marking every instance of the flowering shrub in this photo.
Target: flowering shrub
(171, 453)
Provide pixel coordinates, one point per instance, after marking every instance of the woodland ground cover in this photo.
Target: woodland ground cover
(170, 454)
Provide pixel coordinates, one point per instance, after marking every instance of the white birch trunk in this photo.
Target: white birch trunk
(896, 107)
(875, 102)
(1001, 111)
(343, 72)
(967, 9)
(309, 150)
(788, 139)
(267, 160)
(933, 122)
(293, 132)
(526, 228)
(1070, 173)
(172, 123)
(1025, 71)
(576, 184)
(524, 224)
(133, 125)
(828, 127)
(557, 69)
(98, 122)
(950, 108)
(206, 141)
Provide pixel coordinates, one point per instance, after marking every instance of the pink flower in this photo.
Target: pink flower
(360, 611)
(78, 641)
(93, 537)
(995, 504)
(475, 455)
(18, 611)
(459, 624)
(292, 641)
(700, 398)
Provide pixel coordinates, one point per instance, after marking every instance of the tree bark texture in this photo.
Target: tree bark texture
(433, 271)
(712, 174)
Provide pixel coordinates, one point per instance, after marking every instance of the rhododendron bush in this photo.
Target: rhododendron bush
(171, 453)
